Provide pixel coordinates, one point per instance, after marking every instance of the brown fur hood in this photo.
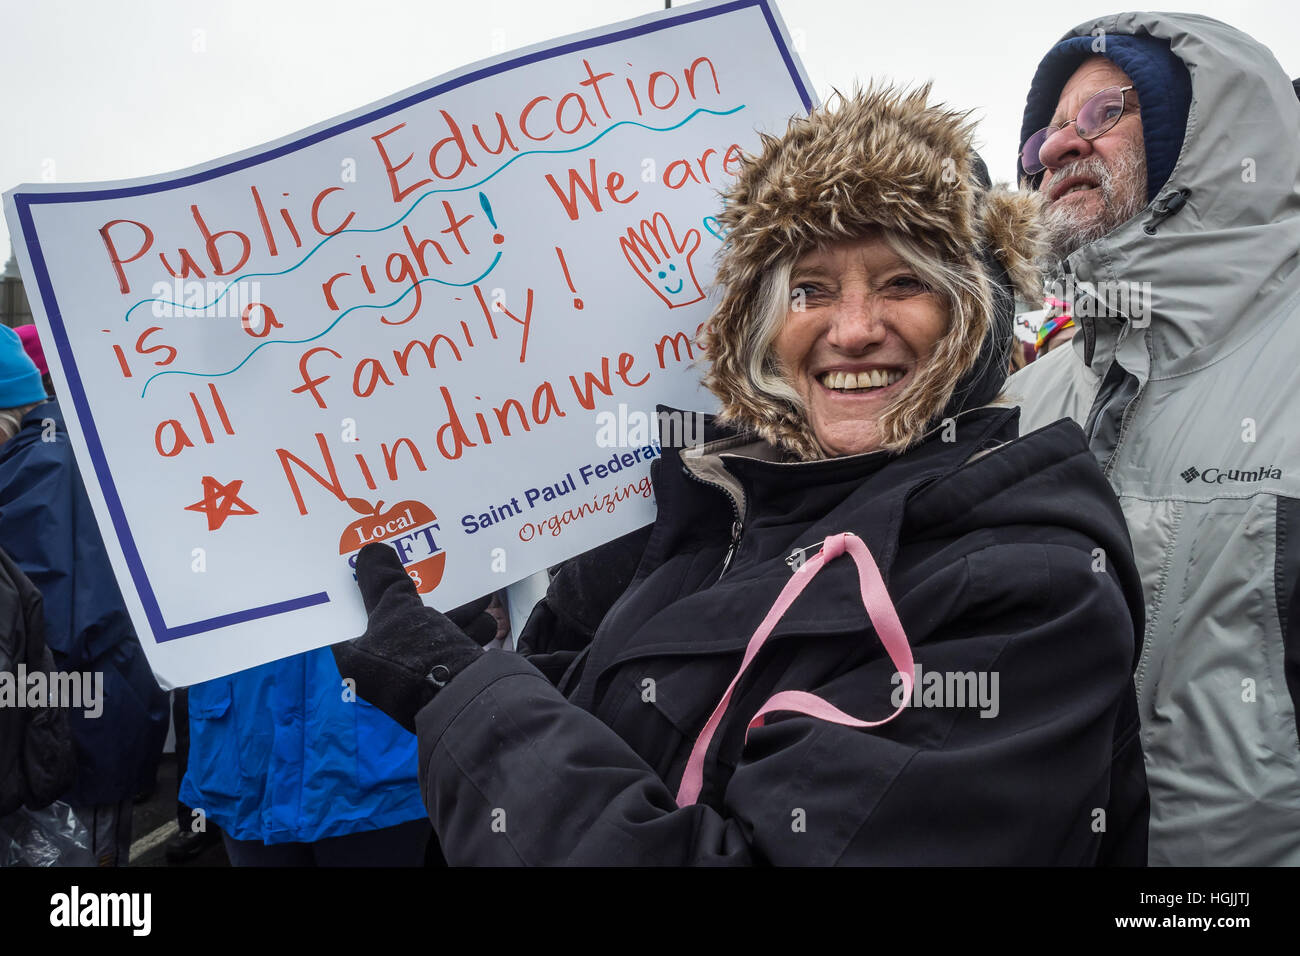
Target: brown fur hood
(879, 158)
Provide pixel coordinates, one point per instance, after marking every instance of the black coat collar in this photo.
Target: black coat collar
(694, 516)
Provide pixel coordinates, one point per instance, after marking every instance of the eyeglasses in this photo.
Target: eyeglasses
(1097, 116)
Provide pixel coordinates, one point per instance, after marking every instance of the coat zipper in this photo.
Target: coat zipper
(737, 525)
(736, 530)
(1164, 207)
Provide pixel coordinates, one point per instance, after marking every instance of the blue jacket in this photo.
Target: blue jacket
(48, 528)
(277, 754)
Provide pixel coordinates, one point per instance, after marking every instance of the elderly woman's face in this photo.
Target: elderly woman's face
(860, 324)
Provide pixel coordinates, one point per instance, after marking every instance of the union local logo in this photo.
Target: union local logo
(409, 527)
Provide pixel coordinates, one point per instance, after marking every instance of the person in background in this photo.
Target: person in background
(194, 833)
(1056, 329)
(298, 770)
(49, 530)
(38, 761)
(32, 346)
(1022, 340)
(1166, 147)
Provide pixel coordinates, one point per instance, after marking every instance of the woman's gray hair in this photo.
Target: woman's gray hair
(11, 420)
(956, 287)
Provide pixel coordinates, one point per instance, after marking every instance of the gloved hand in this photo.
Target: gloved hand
(476, 620)
(408, 650)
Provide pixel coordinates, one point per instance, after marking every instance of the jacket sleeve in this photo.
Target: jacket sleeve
(513, 773)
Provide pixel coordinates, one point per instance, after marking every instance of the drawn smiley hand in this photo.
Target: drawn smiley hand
(664, 264)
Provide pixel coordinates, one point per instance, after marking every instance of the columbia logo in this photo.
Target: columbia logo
(1217, 476)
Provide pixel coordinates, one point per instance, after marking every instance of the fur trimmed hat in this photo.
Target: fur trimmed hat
(882, 158)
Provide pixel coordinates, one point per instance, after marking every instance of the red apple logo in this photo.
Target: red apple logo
(410, 527)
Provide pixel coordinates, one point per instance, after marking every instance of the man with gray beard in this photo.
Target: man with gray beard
(1112, 190)
(1175, 244)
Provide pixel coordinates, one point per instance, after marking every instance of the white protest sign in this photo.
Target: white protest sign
(443, 321)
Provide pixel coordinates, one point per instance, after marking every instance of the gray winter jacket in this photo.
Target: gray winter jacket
(1190, 398)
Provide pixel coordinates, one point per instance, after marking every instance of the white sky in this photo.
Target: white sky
(96, 90)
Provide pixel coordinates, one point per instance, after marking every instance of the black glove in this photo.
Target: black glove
(408, 651)
(476, 620)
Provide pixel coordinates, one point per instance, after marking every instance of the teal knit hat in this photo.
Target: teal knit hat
(20, 380)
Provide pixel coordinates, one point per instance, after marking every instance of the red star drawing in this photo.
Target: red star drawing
(220, 502)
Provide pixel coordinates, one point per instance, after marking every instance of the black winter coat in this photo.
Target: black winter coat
(37, 760)
(1001, 555)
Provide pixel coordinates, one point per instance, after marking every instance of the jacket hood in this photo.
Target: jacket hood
(30, 428)
(1210, 252)
(882, 158)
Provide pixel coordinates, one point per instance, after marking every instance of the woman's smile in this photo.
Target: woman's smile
(859, 382)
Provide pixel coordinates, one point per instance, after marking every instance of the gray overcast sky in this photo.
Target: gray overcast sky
(99, 90)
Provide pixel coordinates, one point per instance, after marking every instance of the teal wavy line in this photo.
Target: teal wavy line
(431, 192)
(337, 320)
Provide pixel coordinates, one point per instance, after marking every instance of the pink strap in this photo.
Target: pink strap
(880, 609)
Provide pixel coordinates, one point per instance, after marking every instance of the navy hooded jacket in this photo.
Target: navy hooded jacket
(48, 529)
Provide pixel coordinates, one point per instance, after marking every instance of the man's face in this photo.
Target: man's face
(1092, 186)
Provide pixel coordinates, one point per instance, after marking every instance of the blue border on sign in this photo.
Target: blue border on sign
(23, 202)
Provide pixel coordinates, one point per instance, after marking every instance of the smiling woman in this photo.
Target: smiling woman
(840, 269)
(718, 714)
